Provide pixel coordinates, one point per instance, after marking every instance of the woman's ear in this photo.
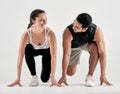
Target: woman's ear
(33, 21)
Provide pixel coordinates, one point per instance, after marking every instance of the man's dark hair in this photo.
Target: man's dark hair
(85, 19)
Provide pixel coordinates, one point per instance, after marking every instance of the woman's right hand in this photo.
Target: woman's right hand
(16, 82)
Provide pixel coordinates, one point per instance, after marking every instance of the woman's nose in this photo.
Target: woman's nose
(43, 22)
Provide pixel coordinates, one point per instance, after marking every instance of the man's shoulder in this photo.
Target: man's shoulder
(70, 26)
(93, 25)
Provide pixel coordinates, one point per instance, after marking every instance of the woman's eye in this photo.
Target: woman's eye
(41, 20)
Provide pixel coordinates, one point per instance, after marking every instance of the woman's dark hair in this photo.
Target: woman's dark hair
(85, 19)
(33, 15)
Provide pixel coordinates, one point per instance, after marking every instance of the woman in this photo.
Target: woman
(38, 40)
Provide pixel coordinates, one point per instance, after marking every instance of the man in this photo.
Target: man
(81, 35)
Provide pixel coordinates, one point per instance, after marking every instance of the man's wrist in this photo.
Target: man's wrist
(63, 75)
(102, 75)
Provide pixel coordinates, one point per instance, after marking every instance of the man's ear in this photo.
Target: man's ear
(84, 29)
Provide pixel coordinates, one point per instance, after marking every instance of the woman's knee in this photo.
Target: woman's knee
(45, 79)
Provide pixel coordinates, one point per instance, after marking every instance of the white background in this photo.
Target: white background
(14, 18)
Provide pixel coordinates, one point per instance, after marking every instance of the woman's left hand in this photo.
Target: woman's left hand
(54, 82)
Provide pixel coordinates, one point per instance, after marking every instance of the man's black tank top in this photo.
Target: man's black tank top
(81, 38)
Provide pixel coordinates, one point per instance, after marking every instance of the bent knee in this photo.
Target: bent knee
(71, 72)
(45, 78)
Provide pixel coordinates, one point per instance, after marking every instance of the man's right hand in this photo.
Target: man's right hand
(63, 80)
(16, 82)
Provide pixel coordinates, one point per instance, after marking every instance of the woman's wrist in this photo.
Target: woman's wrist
(51, 76)
(18, 78)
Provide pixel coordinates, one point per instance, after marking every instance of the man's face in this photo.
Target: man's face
(77, 27)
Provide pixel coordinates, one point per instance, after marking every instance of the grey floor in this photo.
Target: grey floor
(73, 88)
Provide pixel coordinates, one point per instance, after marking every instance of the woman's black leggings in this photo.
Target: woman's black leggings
(30, 53)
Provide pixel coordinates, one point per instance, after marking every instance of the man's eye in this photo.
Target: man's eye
(76, 27)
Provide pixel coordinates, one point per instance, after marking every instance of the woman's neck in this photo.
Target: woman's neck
(38, 30)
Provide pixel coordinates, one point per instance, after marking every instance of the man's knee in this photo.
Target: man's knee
(71, 71)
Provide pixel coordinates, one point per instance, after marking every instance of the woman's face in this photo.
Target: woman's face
(40, 21)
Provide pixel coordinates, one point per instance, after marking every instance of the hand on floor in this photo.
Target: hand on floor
(16, 82)
(104, 80)
(54, 83)
(63, 80)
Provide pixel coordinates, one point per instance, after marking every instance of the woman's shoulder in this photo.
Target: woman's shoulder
(25, 34)
(50, 33)
(49, 30)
